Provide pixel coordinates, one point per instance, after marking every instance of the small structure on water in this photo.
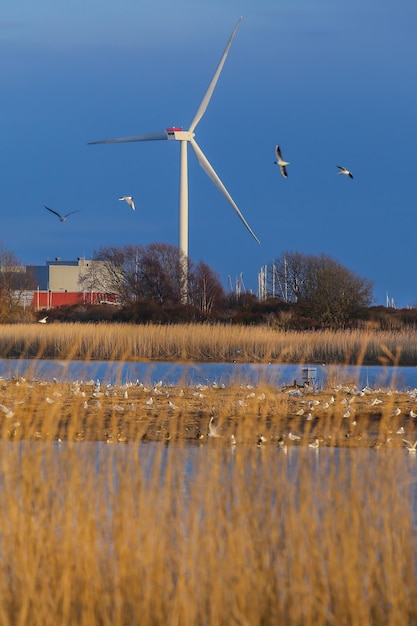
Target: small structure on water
(309, 376)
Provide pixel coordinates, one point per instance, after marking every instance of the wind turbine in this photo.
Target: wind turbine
(185, 137)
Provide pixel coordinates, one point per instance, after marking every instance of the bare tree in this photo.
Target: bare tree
(288, 274)
(205, 290)
(324, 289)
(153, 273)
(114, 271)
(160, 273)
(15, 283)
(138, 273)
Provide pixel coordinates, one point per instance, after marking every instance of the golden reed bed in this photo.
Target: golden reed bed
(216, 343)
(117, 509)
(162, 528)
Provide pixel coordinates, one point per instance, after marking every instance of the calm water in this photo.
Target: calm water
(194, 463)
(400, 378)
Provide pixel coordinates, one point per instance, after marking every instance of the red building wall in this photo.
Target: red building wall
(49, 299)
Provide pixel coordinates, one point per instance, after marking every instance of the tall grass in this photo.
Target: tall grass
(204, 536)
(113, 512)
(206, 343)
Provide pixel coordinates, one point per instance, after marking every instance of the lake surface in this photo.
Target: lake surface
(197, 464)
(400, 378)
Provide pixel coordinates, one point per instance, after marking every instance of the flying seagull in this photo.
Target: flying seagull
(129, 200)
(343, 170)
(280, 162)
(62, 218)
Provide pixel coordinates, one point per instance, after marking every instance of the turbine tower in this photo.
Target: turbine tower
(185, 137)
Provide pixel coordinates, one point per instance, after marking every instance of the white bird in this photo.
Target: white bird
(412, 414)
(129, 200)
(411, 447)
(400, 431)
(293, 437)
(375, 401)
(233, 440)
(43, 320)
(280, 162)
(8, 411)
(396, 412)
(62, 218)
(212, 431)
(315, 444)
(343, 170)
(172, 405)
(149, 402)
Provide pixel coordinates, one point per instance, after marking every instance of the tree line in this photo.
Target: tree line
(302, 292)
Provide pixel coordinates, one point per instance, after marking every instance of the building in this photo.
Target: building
(61, 283)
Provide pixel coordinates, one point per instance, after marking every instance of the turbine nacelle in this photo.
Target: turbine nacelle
(179, 134)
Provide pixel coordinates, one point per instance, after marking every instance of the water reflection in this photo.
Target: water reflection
(194, 462)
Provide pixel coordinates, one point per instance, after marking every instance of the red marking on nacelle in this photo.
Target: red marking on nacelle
(174, 129)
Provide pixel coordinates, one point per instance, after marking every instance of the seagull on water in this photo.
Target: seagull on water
(344, 171)
(129, 200)
(280, 162)
(261, 440)
(62, 218)
(293, 437)
(411, 447)
(316, 444)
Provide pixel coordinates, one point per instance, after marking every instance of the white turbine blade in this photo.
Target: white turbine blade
(216, 180)
(204, 103)
(145, 137)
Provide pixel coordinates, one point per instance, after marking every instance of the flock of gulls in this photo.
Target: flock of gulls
(282, 164)
(340, 417)
(280, 161)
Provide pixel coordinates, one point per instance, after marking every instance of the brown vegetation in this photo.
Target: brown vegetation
(205, 342)
(167, 528)
(117, 509)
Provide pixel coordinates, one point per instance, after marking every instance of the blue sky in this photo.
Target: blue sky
(332, 83)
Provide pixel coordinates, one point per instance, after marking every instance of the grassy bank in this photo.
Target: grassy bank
(217, 343)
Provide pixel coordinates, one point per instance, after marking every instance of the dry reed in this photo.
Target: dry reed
(162, 534)
(117, 509)
(216, 343)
